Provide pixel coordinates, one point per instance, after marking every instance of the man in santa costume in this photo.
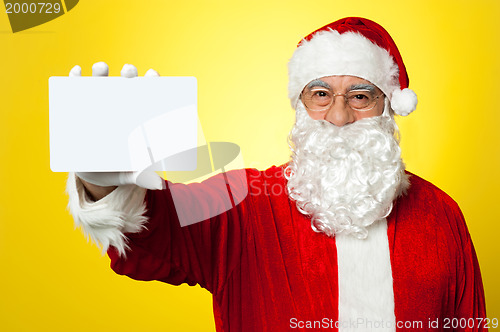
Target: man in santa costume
(340, 238)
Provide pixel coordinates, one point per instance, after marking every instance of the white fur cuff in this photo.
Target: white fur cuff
(106, 221)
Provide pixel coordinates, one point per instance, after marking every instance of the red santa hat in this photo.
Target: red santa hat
(357, 47)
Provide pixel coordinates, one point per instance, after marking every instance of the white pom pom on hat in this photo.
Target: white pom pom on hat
(357, 47)
(403, 102)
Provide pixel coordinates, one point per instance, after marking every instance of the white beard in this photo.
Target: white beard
(345, 178)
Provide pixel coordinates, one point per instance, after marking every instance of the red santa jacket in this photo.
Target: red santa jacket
(269, 271)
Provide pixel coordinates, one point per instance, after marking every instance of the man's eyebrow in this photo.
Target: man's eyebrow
(362, 86)
(316, 83)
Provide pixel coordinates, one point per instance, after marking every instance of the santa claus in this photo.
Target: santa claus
(339, 238)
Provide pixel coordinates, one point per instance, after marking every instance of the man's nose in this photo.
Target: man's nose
(340, 113)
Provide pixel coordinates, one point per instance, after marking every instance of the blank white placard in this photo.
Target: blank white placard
(121, 124)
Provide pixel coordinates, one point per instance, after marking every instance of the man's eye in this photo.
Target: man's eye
(360, 96)
(320, 93)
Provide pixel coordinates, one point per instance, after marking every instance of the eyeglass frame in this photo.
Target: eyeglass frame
(345, 101)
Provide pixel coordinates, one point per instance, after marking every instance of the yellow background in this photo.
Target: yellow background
(51, 279)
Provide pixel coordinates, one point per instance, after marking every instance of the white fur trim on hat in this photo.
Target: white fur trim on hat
(106, 221)
(404, 101)
(330, 53)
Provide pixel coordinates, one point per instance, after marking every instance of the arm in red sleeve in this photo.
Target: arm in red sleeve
(470, 303)
(203, 252)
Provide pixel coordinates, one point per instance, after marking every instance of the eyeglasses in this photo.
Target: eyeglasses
(321, 99)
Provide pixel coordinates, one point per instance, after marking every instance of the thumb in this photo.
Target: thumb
(149, 180)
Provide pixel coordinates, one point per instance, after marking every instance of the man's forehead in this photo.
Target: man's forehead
(345, 81)
(344, 78)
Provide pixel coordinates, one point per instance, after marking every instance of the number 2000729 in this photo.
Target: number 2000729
(32, 8)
